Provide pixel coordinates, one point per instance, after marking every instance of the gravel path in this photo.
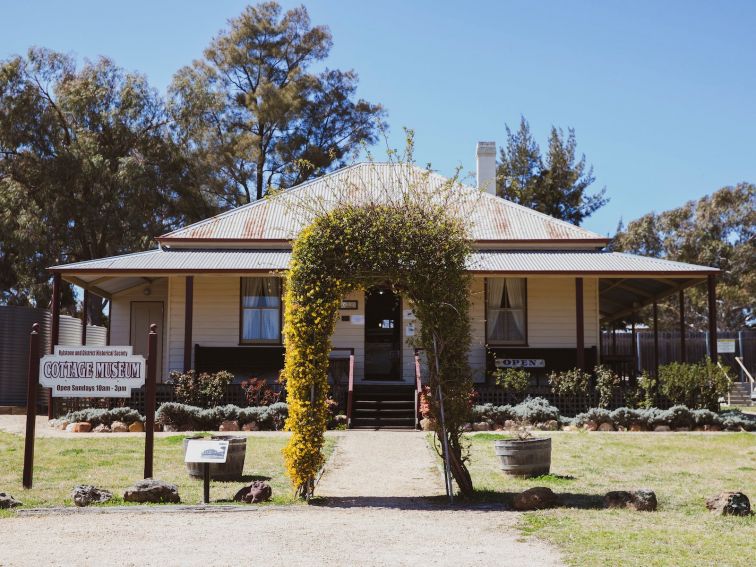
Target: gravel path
(294, 536)
(382, 464)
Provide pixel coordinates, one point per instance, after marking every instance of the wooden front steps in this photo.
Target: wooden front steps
(384, 406)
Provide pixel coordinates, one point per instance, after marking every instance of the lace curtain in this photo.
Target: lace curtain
(261, 309)
(506, 309)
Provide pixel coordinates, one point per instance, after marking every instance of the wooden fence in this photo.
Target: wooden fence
(619, 345)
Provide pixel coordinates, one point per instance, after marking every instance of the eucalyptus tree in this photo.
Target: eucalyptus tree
(717, 230)
(87, 168)
(254, 113)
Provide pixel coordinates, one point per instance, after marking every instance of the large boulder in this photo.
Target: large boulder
(102, 428)
(643, 500)
(85, 494)
(119, 427)
(152, 490)
(606, 427)
(79, 427)
(254, 492)
(7, 501)
(535, 498)
(136, 427)
(729, 504)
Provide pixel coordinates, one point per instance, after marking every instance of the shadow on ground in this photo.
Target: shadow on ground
(483, 500)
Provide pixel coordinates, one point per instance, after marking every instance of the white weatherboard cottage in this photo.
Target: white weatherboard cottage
(541, 288)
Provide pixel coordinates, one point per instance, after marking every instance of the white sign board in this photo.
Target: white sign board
(92, 372)
(726, 346)
(206, 451)
(358, 319)
(520, 363)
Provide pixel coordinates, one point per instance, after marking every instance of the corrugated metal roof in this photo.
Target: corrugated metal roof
(503, 261)
(588, 262)
(282, 216)
(181, 260)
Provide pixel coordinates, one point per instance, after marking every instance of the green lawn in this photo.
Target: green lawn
(115, 463)
(683, 469)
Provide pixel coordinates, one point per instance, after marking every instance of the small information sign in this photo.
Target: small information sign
(206, 451)
(92, 372)
(726, 346)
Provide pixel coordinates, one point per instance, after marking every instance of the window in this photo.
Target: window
(261, 310)
(506, 310)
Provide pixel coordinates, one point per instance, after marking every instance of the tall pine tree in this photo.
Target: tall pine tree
(555, 184)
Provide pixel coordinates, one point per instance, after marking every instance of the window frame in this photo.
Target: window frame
(504, 343)
(262, 342)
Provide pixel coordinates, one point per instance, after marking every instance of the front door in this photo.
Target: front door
(382, 334)
(143, 314)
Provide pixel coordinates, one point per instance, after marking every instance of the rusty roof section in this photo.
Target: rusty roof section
(280, 217)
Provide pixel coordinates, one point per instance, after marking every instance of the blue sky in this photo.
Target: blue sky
(662, 95)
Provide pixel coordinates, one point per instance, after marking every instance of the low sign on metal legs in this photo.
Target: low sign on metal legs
(206, 452)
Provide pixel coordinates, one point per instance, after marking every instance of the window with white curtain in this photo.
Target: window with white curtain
(506, 306)
(261, 310)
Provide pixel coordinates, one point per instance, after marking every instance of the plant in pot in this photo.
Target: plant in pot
(524, 455)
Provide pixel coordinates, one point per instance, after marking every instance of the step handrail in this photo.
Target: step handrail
(350, 391)
(739, 360)
(418, 388)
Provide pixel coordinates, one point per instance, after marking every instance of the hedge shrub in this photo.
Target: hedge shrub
(186, 417)
(100, 416)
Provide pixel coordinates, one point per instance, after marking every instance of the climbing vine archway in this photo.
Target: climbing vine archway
(420, 250)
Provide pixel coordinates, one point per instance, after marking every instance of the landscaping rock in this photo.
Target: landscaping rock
(712, 428)
(102, 428)
(152, 490)
(569, 428)
(551, 425)
(591, 426)
(662, 428)
(256, 491)
(7, 501)
(481, 426)
(535, 498)
(643, 500)
(636, 427)
(606, 427)
(136, 427)
(62, 425)
(510, 424)
(682, 428)
(79, 427)
(229, 426)
(118, 427)
(729, 504)
(85, 494)
(251, 426)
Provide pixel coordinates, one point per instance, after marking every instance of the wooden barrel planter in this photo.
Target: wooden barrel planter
(234, 465)
(527, 457)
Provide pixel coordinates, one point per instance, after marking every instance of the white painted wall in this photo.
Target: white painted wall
(551, 318)
(347, 334)
(551, 312)
(120, 313)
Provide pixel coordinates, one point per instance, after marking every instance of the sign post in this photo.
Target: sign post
(206, 451)
(149, 402)
(31, 406)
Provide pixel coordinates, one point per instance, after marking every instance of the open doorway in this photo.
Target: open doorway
(383, 336)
